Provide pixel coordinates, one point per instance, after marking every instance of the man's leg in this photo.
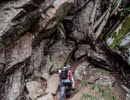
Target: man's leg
(62, 91)
(69, 89)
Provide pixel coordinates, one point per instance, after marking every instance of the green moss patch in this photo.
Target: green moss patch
(121, 35)
(86, 96)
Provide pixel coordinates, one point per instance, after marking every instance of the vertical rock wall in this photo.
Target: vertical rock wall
(26, 55)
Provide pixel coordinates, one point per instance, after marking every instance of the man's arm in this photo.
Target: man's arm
(73, 82)
(72, 79)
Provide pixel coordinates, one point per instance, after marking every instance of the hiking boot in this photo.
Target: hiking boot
(67, 96)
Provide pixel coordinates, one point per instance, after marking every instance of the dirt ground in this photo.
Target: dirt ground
(94, 91)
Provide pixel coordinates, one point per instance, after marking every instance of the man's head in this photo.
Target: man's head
(67, 66)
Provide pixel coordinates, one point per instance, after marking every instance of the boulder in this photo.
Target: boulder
(59, 54)
(80, 32)
(37, 59)
(45, 70)
(51, 18)
(119, 40)
(14, 86)
(81, 51)
(9, 11)
(18, 18)
(106, 81)
(57, 9)
(80, 71)
(19, 51)
(46, 97)
(52, 84)
(45, 75)
(34, 89)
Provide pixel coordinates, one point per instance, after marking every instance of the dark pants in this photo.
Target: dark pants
(64, 84)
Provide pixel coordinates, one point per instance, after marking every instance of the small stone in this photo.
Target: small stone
(81, 71)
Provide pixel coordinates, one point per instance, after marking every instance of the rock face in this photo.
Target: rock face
(35, 89)
(26, 29)
(81, 51)
(2, 54)
(14, 86)
(45, 70)
(13, 10)
(34, 45)
(81, 20)
(59, 54)
(37, 59)
(19, 51)
(50, 19)
(106, 81)
(80, 71)
(119, 40)
(52, 84)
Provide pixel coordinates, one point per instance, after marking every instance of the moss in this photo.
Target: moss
(113, 35)
(103, 90)
(84, 82)
(85, 96)
(109, 97)
(122, 33)
(103, 72)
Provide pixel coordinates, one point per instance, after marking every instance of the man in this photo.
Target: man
(66, 80)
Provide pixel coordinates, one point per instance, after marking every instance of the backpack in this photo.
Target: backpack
(64, 73)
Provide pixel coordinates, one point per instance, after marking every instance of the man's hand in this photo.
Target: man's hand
(73, 85)
(73, 89)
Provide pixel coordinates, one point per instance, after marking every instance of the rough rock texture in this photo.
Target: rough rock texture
(82, 51)
(127, 96)
(46, 97)
(119, 40)
(80, 71)
(27, 27)
(2, 54)
(19, 51)
(45, 70)
(22, 23)
(9, 11)
(37, 59)
(14, 85)
(106, 81)
(50, 19)
(52, 84)
(59, 54)
(34, 44)
(81, 20)
(35, 89)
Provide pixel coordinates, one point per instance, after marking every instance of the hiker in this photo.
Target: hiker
(66, 79)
